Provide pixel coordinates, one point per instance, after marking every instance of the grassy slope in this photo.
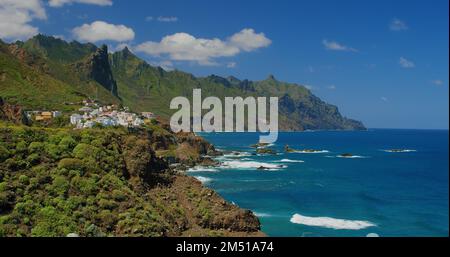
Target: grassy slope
(60, 57)
(30, 87)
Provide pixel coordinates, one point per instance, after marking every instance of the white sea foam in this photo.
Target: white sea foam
(289, 160)
(204, 180)
(400, 151)
(351, 157)
(250, 165)
(202, 169)
(332, 223)
(372, 235)
(264, 146)
(315, 151)
(262, 214)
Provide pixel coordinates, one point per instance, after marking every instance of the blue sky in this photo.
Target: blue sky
(382, 62)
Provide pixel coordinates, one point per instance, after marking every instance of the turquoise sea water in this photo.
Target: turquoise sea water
(390, 194)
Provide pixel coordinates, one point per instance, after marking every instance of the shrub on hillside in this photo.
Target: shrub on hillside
(4, 153)
(83, 151)
(71, 164)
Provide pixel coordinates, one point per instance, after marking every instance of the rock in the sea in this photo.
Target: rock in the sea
(258, 145)
(265, 151)
(287, 149)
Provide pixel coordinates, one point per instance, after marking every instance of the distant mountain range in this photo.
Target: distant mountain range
(47, 73)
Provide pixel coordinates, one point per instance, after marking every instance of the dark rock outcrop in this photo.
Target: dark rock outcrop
(12, 113)
(97, 68)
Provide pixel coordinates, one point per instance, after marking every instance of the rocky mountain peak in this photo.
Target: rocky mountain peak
(99, 69)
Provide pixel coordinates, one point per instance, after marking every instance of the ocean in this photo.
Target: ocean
(372, 192)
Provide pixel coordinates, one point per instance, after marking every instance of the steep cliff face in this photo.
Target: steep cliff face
(97, 68)
(42, 73)
(312, 113)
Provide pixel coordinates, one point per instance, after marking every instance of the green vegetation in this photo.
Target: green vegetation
(105, 182)
(55, 182)
(46, 72)
(21, 84)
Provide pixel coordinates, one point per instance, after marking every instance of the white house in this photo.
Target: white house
(88, 124)
(106, 121)
(56, 114)
(148, 115)
(137, 122)
(75, 118)
(85, 109)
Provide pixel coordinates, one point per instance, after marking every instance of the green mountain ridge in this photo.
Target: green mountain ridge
(75, 70)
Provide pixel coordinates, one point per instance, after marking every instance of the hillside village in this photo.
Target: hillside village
(92, 113)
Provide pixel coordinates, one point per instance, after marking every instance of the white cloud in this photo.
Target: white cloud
(335, 46)
(248, 40)
(331, 87)
(62, 37)
(166, 65)
(162, 18)
(231, 65)
(59, 3)
(185, 47)
(397, 25)
(384, 99)
(437, 82)
(15, 18)
(405, 63)
(100, 30)
(167, 19)
(120, 47)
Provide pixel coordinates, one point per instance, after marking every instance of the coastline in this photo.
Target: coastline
(323, 188)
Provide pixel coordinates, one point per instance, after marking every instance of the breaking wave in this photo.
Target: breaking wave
(311, 151)
(351, 157)
(289, 160)
(262, 214)
(250, 165)
(399, 150)
(332, 223)
(204, 180)
(202, 169)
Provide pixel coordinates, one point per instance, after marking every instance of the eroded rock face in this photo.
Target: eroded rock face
(140, 159)
(206, 211)
(97, 68)
(101, 71)
(200, 145)
(12, 113)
